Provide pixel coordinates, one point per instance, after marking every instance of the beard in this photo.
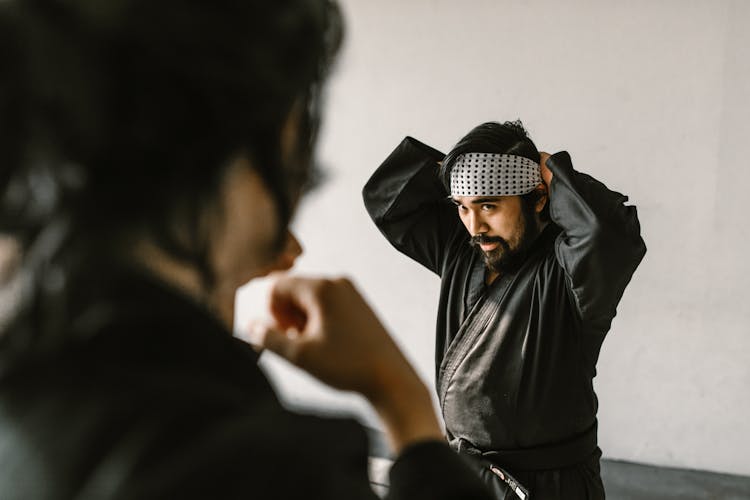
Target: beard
(510, 254)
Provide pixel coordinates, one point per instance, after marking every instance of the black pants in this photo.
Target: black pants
(581, 481)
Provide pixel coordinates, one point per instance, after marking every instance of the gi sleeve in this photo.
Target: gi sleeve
(600, 245)
(242, 457)
(431, 470)
(410, 205)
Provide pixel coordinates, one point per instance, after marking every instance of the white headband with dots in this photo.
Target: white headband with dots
(490, 174)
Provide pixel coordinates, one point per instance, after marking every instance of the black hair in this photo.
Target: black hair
(509, 137)
(120, 117)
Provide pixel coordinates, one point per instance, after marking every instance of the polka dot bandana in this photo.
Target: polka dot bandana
(489, 174)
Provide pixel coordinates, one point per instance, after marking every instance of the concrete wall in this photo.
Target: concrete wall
(650, 97)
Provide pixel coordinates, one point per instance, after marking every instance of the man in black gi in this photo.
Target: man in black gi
(533, 258)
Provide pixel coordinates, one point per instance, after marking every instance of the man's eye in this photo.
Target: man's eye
(461, 208)
(487, 207)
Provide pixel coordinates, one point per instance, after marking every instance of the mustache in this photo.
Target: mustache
(481, 239)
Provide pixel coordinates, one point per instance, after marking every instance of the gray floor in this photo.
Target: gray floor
(629, 481)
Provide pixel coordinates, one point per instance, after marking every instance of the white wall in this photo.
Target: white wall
(650, 97)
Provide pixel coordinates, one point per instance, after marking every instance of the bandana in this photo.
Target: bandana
(489, 174)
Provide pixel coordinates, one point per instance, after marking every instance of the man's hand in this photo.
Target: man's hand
(544, 170)
(326, 328)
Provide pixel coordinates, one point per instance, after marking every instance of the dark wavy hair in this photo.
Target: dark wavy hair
(120, 117)
(492, 137)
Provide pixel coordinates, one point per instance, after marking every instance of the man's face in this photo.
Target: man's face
(501, 227)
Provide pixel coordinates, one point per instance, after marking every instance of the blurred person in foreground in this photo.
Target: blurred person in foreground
(153, 154)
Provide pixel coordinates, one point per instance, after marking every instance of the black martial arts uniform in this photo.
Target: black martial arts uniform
(515, 360)
(150, 397)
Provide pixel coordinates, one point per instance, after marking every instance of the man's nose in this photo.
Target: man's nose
(293, 248)
(476, 224)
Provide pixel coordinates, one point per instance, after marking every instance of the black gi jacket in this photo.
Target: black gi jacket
(515, 360)
(152, 398)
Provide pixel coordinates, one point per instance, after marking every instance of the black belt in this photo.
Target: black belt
(554, 456)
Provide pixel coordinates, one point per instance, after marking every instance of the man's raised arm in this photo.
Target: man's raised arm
(410, 206)
(600, 245)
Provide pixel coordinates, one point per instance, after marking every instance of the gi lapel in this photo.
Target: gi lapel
(471, 328)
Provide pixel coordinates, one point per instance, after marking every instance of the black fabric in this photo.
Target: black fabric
(521, 379)
(579, 481)
(152, 398)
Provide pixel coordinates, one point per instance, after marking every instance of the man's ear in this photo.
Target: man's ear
(542, 197)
